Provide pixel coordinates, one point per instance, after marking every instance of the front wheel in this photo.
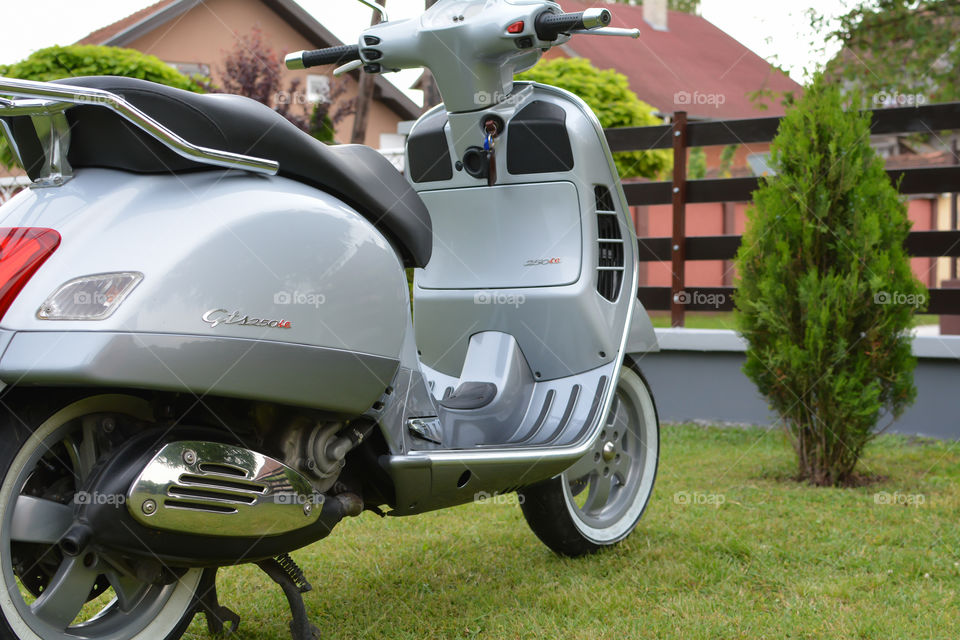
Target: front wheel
(45, 456)
(598, 501)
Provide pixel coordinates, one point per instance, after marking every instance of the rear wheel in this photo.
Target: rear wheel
(598, 501)
(45, 455)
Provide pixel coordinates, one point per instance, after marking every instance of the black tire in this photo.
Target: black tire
(34, 425)
(550, 507)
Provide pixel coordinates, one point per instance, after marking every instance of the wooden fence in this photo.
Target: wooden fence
(679, 248)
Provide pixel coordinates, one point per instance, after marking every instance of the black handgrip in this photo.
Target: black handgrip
(550, 25)
(331, 55)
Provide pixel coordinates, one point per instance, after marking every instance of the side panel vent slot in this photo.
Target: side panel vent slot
(610, 249)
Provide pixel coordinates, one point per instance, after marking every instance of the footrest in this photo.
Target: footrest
(470, 395)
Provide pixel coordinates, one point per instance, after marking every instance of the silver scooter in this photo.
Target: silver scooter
(208, 356)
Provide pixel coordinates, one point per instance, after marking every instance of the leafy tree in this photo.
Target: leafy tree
(253, 69)
(55, 63)
(825, 293)
(321, 127)
(697, 163)
(608, 94)
(897, 48)
(726, 159)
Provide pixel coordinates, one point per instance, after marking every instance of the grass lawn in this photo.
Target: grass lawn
(730, 547)
(724, 319)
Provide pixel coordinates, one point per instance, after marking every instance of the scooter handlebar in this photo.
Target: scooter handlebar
(549, 25)
(319, 57)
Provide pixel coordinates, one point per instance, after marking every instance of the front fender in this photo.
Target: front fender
(641, 338)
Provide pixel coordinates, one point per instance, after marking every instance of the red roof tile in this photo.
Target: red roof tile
(693, 60)
(102, 35)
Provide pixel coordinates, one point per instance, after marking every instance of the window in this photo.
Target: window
(318, 88)
(191, 69)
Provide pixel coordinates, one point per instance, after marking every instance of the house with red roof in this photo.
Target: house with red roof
(196, 35)
(683, 62)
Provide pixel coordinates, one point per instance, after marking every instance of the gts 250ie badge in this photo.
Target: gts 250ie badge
(536, 262)
(217, 317)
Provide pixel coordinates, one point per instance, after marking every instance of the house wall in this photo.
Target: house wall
(708, 220)
(208, 32)
(713, 154)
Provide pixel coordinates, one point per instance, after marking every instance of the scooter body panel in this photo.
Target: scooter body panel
(534, 271)
(519, 297)
(220, 253)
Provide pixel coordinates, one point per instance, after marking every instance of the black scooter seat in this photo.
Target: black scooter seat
(358, 175)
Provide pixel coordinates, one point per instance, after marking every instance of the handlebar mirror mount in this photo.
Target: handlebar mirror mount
(376, 7)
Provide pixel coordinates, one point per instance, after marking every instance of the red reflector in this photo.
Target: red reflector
(22, 251)
(516, 27)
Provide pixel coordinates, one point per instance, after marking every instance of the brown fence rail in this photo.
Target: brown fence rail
(679, 248)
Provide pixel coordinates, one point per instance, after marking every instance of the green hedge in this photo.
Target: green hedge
(55, 63)
(608, 93)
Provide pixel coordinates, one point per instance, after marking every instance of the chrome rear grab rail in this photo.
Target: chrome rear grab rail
(46, 103)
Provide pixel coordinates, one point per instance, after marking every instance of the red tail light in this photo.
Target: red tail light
(22, 251)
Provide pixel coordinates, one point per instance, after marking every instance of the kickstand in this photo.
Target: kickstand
(280, 570)
(220, 619)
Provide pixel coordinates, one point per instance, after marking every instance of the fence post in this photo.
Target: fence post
(679, 242)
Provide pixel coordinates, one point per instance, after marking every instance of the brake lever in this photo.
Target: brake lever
(609, 31)
(347, 68)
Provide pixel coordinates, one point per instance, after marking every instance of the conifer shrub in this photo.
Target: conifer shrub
(825, 291)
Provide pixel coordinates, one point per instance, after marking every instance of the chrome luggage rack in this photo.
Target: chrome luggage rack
(46, 105)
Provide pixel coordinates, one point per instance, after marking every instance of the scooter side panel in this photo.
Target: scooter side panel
(298, 375)
(214, 246)
(563, 327)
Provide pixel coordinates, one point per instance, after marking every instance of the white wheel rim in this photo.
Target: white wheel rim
(608, 520)
(162, 613)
